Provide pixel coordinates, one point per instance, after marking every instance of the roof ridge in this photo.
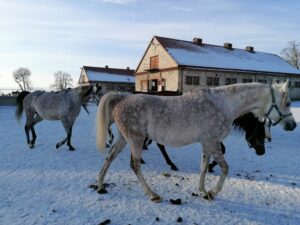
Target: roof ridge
(207, 44)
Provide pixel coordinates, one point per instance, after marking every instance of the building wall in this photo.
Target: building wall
(165, 61)
(202, 74)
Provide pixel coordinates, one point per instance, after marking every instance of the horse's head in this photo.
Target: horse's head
(255, 135)
(254, 131)
(86, 92)
(278, 109)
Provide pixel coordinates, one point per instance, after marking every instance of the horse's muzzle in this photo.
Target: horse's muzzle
(290, 126)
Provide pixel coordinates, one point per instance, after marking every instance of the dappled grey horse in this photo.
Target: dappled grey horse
(63, 105)
(204, 116)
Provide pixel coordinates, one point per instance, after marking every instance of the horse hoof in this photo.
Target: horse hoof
(209, 196)
(31, 146)
(102, 191)
(156, 199)
(57, 146)
(93, 186)
(71, 149)
(174, 168)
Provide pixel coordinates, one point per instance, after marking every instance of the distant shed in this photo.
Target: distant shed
(108, 79)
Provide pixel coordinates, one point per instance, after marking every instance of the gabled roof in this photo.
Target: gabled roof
(106, 74)
(188, 53)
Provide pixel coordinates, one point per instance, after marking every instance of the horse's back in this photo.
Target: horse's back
(169, 120)
(54, 105)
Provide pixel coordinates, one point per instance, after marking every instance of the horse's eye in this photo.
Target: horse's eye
(288, 104)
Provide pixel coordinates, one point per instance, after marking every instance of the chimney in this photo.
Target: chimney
(250, 49)
(228, 46)
(128, 68)
(197, 41)
(106, 66)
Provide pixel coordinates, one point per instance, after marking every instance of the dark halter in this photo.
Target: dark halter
(274, 106)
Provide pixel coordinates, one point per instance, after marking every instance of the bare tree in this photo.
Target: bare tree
(62, 81)
(292, 53)
(22, 78)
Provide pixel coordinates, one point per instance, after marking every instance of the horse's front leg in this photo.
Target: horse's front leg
(204, 166)
(214, 149)
(68, 128)
(136, 147)
(219, 158)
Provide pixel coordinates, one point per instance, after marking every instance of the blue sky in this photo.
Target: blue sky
(47, 36)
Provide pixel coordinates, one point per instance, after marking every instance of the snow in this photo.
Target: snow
(109, 77)
(48, 186)
(219, 57)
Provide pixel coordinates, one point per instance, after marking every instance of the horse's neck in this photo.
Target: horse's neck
(247, 98)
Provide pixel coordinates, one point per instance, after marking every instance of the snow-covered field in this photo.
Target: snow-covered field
(49, 186)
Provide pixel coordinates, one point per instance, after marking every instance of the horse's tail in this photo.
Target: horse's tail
(104, 116)
(19, 102)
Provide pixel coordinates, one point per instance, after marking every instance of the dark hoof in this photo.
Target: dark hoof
(102, 191)
(156, 199)
(93, 186)
(142, 161)
(71, 148)
(105, 222)
(57, 146)
(175, 202)
(208, 197)
(174, 168)
(31, 146)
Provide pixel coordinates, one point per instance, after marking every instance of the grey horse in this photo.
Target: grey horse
(64, 105)
(204, 116)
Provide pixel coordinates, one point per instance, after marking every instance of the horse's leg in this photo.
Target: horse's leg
(111, 136)
(71, 148)
(29, 125)
(68, 128)
(166, 156)
(136, 147)
(204, 165)
(37, 119)
(214, 148)
(214, 163)
(115, 150)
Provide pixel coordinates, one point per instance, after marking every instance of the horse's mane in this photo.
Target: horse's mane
(241, 122)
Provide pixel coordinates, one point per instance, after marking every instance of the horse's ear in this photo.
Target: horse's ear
(274, 82)
(285, 86)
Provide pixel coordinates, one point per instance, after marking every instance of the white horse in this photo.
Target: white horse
(205, 116)
(63, 105)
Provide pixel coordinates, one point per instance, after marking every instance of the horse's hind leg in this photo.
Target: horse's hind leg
(115, 150)
(37, 119)
(166, 156)
(136, 146)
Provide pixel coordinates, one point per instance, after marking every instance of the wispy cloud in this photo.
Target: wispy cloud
(119, 2)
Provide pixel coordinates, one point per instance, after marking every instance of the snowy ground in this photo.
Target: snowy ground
(49, 186)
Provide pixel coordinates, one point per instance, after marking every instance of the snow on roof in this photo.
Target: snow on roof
(211, 56)
(100, 74)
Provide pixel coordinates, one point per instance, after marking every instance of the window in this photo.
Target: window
(196, 80)
(262, 81)
(188, 80)
(229, 81)
(212, 81)
(192, 80)
(247, 80)
(154, 62)
(297, 83)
